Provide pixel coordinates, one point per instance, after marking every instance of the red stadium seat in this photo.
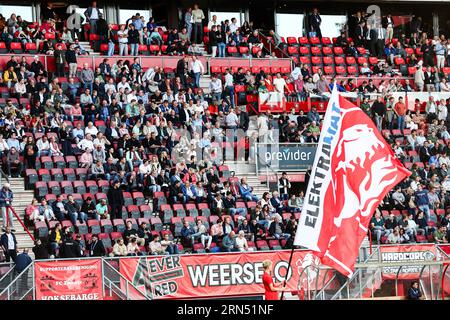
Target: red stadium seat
(304, 51)
(315, 51)
(292, 50)
(338, 51)
(327, 51)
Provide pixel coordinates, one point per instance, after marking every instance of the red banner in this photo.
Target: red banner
(407, 254)
(213, 275)
(69, 280)
(271, 101)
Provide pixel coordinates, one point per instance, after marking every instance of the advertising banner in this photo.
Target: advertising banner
(69, 280)
(212, 275)
(407, 254)
(271, 101)
(286, 156)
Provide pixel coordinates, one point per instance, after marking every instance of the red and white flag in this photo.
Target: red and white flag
(354, 168)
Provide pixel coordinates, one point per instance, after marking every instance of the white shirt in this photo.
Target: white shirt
(279, 84)
(212, 23)
(10, 241)
(83, 144)
(94, 14)
(93, 130)
(233, 27)
(197, 67)
(232, 119)
(228, 80)
(123, 85)
(295, 73)
(216, 86)
(110, 86)
(123, 40)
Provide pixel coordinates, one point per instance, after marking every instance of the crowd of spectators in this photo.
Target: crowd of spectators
(150, 132)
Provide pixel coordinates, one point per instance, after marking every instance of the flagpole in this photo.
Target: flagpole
(288, 270)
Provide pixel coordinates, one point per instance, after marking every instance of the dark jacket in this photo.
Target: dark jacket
(115, 197)
(4, 241)
(96, 249)
(6, 197)
(272, 228)
(71, 56)
(70, 249)
(23, 260)
(40, 251)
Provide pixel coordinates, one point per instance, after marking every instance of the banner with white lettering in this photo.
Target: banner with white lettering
(354, 168)
(271, 101)
(69, 280)
(218, 275)
(285, 156)
(407, 254)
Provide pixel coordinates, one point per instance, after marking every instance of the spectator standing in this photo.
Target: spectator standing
(115, 200)
(133, 39)
(197, 70)
(60, 60)
(284, 186)
(123, 41)
(9, 244)
(6, 198)
(92, 15)
(188, 20)
(314, 21)
(197, 18)
(87, 77)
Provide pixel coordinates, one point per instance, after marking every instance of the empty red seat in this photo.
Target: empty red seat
(16, 47)
(328, 70)
(275, 69)
(327, 51)
(399, 61)
(304, 51)
(373, 60)
(326, 41)
(362, 60)
(316, 60)
(340, 70)
(338, 50)
(243, 50)
(314, 41)
(292, 50)
(303, 41)
(339, 60)
(291, 40)
(350, 60)
(327, 60)
(352, 70)
(316, 51)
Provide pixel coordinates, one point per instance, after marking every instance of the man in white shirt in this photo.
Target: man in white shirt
(91, 129)
(110, 86)
(123, 84)
(213, 22)
(197, 69)
(231, 120)
(233, 25)
(229, 86)
(279, 83)
(43, 146)
(123, 40)
(86, 143)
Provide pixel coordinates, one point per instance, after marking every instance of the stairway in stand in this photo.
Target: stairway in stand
(22, 198)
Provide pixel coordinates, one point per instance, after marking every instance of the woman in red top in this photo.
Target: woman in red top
(271, 289)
